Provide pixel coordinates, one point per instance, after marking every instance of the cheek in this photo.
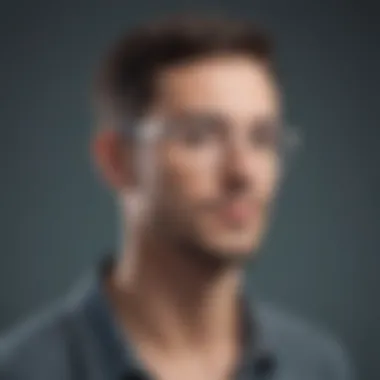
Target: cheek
(267, 179)
(189, 175)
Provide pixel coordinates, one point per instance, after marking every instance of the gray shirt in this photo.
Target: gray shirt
(78, 339)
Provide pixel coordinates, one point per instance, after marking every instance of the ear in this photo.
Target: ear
(113, 156)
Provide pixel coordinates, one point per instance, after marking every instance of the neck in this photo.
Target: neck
(172, 299)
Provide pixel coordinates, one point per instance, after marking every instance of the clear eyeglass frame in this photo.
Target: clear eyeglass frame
(150, 130)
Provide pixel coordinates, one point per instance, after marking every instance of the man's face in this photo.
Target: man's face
(210, 163)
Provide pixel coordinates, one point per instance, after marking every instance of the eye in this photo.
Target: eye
(196, 131)
(265, 135)
(197, 135)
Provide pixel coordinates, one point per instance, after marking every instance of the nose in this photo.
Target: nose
(238, 168)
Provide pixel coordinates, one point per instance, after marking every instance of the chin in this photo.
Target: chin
(235, 251)
(218, 254)
(221, 247)
(231, 251)
(237, 244)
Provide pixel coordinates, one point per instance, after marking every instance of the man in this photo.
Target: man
(191, 142)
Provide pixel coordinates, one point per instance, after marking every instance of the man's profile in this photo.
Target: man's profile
(190, 140)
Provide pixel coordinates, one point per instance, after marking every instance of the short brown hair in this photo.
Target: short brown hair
(125, 84)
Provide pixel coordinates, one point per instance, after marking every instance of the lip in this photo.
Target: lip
(237, 212)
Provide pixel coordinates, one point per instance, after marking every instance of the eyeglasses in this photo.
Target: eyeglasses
(197, 132)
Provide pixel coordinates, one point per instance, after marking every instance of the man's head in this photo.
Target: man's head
(190, 115)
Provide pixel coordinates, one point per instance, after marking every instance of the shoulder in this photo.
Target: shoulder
(304, 346)
(38, 348)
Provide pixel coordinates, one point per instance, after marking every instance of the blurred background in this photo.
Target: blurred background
(321, 257)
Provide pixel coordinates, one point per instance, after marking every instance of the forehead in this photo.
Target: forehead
(236, 86)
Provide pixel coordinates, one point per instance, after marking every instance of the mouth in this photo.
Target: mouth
(237, 213)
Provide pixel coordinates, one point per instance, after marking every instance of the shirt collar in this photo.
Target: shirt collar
(119, 356)
(258, 354)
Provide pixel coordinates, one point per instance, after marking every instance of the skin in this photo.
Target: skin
(196, 189)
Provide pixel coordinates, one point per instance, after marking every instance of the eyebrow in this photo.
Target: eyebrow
(224, 120)
(200, 115)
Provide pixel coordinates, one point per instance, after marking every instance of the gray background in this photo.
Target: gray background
(320, 259)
